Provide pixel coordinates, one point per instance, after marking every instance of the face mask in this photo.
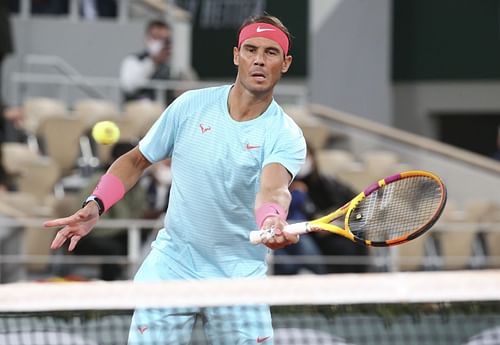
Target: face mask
(163, 175)
(305, 169)
(154, 46)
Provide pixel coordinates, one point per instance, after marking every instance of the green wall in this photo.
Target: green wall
(212, 48)
(446, 39)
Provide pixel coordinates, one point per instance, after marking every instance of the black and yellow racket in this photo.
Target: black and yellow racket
(391, 211)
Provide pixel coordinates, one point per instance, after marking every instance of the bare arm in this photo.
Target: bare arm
(128, 168)
(274, 183)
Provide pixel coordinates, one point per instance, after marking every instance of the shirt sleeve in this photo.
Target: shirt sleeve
(158, 143)
(289, 149)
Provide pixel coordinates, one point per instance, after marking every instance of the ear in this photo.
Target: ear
(236, 56)
(286, 63)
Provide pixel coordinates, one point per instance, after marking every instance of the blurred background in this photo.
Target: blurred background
(377, 86)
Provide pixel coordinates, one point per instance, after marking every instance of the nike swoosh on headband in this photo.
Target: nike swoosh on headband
(259, 29)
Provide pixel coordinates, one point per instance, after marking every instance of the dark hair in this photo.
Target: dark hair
(157, 23)
(267, 19)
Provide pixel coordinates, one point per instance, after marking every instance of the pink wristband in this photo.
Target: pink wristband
(267, 210)
(110, 190)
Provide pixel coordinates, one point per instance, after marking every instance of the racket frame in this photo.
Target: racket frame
(324, 223)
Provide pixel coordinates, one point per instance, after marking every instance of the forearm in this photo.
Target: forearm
(272, 203)
(274, 196)
(119, 179)
(129, 168)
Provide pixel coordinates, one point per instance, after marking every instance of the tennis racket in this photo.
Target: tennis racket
(391, 211)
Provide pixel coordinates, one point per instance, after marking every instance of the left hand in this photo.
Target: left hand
(281, 238)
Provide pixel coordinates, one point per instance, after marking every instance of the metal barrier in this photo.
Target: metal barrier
(390, 260)
(10, 228)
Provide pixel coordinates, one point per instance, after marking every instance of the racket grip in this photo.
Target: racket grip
(258, 236)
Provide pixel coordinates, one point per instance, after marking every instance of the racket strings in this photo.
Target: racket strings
(397, 209)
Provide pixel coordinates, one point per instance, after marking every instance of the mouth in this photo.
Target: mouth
(258, 75)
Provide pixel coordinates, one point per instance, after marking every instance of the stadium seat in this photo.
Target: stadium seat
(317, 134)
(412, 255)
(381, 163)
(38, 108)
(334, 161)
(142, 114)
(91, 110)
(456, 247)
(492, 235)
(33, 173)
(61, 140)
(34, 240)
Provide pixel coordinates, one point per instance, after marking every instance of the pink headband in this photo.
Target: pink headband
(264, 30)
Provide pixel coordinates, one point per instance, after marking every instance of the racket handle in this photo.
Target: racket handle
(258, 236)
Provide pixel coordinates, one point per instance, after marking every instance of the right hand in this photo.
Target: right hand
(281, 238)
(75, 226)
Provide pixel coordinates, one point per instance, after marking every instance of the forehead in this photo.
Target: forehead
(159, 31)
(262, 42)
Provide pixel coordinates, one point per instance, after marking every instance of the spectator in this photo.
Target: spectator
(138, 70)
(56, 7)
(93, 9)
(6, 47)
(496, 154)
(6, 181)
(112, 241)
(326, 194)
(157, 184)
(8, 115)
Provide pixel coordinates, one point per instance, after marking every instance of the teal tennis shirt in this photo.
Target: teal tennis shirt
(216, 166)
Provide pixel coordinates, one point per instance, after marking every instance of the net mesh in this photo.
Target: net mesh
(397, 209)
(419, 308)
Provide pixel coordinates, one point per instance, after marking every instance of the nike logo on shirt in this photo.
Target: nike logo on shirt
(261, 340)
(250, 147)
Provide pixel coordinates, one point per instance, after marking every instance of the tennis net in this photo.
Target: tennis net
(459, 307)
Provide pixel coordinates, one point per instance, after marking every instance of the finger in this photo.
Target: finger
(59, 239)
(80, 215)
(58, 222)
(73, 242)
(293, 238)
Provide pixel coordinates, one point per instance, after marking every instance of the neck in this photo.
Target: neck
(244, 105)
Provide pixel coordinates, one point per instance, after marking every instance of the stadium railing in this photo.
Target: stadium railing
(68, 79)
(14, 261)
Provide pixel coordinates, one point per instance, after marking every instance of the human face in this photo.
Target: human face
(159, 42)
(261, 63)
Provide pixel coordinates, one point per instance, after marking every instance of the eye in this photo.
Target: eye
(272, 52)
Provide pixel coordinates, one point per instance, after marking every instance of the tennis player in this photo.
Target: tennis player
(234, 153)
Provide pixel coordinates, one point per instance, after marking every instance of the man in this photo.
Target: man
(6, 47)
(138, 70)
(234, 153)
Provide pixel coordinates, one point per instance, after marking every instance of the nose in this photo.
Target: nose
(259, 59)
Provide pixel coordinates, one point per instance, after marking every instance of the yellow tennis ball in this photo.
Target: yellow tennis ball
(106, 132)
